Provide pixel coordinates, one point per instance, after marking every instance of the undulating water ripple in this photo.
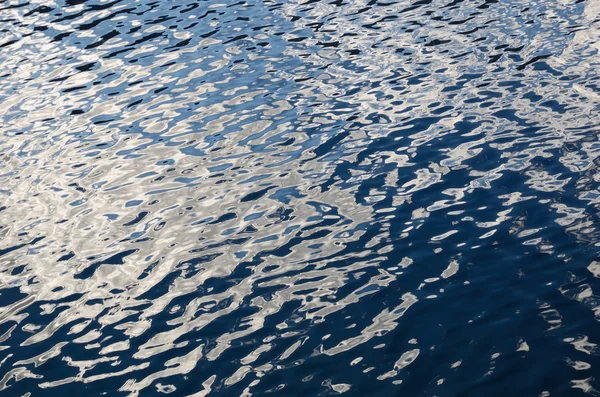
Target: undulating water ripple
(312, 197)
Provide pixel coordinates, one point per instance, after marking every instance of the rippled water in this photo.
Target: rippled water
(300, 197)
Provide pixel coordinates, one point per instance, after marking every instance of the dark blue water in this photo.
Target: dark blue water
(299, 198)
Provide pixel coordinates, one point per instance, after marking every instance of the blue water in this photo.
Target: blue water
(299, 198)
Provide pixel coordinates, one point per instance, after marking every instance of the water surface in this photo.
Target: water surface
(301, 198)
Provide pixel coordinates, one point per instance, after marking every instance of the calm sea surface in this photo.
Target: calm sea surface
(299, 198)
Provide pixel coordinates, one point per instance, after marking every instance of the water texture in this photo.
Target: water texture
(300, 198)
